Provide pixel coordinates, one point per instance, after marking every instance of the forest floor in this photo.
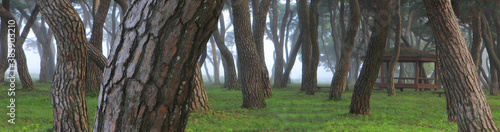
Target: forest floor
(287, 110)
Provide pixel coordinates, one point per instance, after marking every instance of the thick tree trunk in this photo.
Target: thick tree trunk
(304, 20)
(339, 81)
(360, 102)
(459, 73)
(230, 78)
(259, 11)
(147, 82)
(198, 100)
(395, 56)
(250, 65)
(68, 96)
(313, 12)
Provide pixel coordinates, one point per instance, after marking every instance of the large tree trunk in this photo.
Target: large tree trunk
(360, 102)
(395, 56)
(68, 96)
(259, 11)
(313, 12)
(250, 65)
(457, 67)
(147, 82)
(339, 81)
(198, 100)
(306, 22)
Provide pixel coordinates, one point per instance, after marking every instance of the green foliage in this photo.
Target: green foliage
(288, 110)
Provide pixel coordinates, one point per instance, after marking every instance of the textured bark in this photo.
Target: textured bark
(391, 91)
(259, 11)
(68, 96)
(147, 82)
(304, 20)
(458, 71)
(360, 102)
(198, 100)
(22, 68)
(249, 63)
(339, 80)
(94, 73)
(476, 39)
(313, 13)
(230, 78)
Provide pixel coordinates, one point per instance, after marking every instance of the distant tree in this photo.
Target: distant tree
(360, 102)
(230, 77)
(18, 41)
(147, 83)
(339, 81)
(457, 69)
(250, 66)
(397, 46)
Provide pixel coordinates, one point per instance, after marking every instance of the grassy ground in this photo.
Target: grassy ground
(288, 110)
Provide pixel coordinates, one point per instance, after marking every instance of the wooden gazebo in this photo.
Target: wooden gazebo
(412, 60)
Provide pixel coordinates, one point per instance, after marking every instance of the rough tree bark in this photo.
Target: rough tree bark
(147, 82)
(391, 91)
(68, 96)
(94, 74)
(250, 65)
(457, 68)
(360, 102)
(198, 100)
(339, 80)
(307, 21)
(259, 11)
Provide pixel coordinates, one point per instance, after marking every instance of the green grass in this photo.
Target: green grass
(287, 110)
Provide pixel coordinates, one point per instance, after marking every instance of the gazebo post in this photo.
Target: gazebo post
(417, 74)
(382, 76)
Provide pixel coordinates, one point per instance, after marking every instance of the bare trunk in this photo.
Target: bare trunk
(458, 71)
(198, 100)
(360, 102)
(148, 82)
(395, 56)
(339, 81)
(258, 27)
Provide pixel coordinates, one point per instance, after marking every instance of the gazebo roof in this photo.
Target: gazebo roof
(408, 54)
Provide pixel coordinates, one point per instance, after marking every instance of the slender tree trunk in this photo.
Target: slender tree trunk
(215, 63)
(339, 81)
(279, 63)
(289, 65)
(476, 38)
(459, 73)
(360, 102)
(395, 56)
(231, 80)
(153, 93)
(94, 74)
(250, 71)
(4, 65)
(18, 41)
